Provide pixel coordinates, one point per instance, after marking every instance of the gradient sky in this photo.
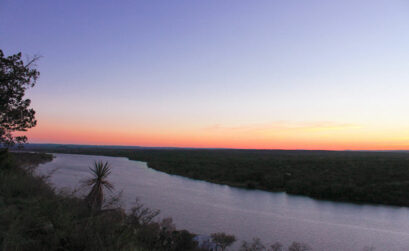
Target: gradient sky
(217, 73)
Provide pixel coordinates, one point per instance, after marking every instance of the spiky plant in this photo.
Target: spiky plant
(98, 182)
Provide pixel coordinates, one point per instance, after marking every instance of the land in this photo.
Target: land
(351, 176)
(34, 216)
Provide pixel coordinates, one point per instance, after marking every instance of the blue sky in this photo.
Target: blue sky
(169, 67)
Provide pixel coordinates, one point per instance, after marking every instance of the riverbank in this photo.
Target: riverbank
(205, 208)
(358, 177)
(36, 217)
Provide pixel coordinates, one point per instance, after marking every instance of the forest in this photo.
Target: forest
(352, 176)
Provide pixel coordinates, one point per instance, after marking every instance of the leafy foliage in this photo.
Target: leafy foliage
(15, 111)
(363, 177)
(297, 246)
(98, 183)
(35, 217)
(223, 240)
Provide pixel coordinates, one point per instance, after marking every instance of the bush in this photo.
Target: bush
(35, 217)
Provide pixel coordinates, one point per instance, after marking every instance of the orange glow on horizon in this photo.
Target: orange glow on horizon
(321, 136)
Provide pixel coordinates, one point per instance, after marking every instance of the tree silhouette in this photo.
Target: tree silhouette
(298, 246)
(15, 111)
(223, 240)
(98, 182)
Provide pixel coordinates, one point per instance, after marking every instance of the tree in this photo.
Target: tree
(223, 240)
(183, 240)
(141, 215)
(298, 246)
(276, 246)
(98, 182)
(255, 245)
(15, 112)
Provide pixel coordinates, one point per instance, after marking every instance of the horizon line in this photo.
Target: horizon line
(219, 148)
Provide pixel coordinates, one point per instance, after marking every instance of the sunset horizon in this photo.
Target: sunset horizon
(279, 135)
(311, 75)
(234, 125)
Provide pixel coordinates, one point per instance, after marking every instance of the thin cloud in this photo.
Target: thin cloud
(284, 126)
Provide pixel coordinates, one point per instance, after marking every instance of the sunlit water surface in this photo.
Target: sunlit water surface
(204, 208)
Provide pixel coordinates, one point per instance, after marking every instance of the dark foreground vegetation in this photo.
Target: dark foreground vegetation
(361, 177)
(33, 216)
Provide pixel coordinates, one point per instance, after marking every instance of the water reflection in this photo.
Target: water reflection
(204, 208)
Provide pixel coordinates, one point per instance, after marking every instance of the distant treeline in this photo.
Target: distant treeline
(361, 177)
(35, 216)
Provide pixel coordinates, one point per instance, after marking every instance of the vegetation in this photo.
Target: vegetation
(35, 217)
(223, 240)
(361, 177)
(98, 182)
(297, 246)
(276, 246)
(257, 245)
(15, 112)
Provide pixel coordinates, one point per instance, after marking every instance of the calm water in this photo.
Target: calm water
(204, 208)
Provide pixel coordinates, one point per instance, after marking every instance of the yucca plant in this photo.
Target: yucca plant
(100, 171)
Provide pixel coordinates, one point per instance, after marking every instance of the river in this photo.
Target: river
(203, 208)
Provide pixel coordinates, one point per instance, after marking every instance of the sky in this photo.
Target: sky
(234, 74)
